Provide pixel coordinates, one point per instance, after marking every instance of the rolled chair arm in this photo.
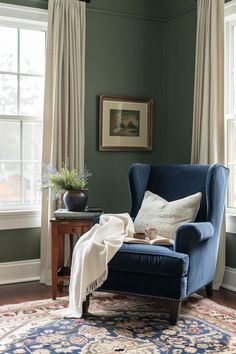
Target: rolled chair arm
(188, 235)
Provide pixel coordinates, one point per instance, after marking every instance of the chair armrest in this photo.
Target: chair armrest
(188, 235)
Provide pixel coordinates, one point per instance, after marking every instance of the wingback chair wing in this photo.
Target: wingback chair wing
(172, 274)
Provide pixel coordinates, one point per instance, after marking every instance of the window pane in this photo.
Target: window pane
(10, 140)
(31, 95)
(32, 51)
(8, 49)
(32, 141)
(10, 183)
(8, 94)
(234, 91)
(234, 47)
(31, 179)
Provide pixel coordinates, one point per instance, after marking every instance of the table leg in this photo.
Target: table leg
(54, 265)
(71, 238)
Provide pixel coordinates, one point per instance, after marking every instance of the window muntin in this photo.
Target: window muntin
(22, 66)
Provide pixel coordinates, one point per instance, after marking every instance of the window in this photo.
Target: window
(22, 70)
(230, 100)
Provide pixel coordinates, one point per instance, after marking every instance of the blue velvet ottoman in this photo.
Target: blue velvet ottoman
(142, 269)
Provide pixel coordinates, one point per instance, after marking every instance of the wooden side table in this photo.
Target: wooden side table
(59, 229)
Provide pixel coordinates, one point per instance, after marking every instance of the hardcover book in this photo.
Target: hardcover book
(65, 214)
(158, 240)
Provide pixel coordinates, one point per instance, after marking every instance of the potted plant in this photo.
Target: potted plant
(68, 182)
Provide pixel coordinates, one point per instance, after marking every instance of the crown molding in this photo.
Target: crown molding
(180, 13)
(125, 14)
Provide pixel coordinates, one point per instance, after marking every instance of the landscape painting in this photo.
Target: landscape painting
(124, 122)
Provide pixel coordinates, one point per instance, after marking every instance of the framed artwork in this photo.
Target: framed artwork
(125, 123)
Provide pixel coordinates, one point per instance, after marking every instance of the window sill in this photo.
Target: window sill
(231, 221)
(20, 219)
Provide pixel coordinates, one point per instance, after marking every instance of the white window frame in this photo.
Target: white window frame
(30, 18)
(230, 19)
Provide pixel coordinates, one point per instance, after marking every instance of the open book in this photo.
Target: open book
(158, 240)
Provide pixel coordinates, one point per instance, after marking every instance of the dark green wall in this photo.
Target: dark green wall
(18, 245)
(180, 32)
(231, 250)
(123, 57)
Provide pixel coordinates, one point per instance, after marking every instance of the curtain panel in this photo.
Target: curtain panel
(63, 131)
(208, 106)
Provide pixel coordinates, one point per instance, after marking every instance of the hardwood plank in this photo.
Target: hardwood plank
(21, 292)
(223, 297)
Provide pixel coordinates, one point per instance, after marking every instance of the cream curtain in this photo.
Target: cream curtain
(63, 131)
(208, 108)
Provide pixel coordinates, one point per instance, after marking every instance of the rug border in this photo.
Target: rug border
(66, 298)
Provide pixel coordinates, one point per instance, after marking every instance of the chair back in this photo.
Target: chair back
(173, 182)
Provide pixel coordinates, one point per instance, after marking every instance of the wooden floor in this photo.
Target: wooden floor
(21, 292)
(16, 293)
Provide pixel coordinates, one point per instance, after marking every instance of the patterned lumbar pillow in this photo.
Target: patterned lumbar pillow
(156, 212)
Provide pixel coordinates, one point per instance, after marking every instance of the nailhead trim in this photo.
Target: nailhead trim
(142, 295)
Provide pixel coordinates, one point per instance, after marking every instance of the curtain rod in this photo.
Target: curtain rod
(86, 0)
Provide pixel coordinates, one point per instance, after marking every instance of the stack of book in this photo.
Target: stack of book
(89, 213)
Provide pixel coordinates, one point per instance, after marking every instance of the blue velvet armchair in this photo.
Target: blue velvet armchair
(172, 274)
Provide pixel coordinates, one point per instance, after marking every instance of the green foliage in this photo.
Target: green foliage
(64, 180)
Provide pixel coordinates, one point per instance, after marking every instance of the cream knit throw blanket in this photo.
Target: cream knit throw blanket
(90, 257)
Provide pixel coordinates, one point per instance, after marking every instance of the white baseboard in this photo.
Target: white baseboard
(229, 281)
(19, 272)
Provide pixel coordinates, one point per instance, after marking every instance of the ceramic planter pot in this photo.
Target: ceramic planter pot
(75, 200)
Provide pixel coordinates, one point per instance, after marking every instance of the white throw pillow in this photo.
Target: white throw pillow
(166, 216)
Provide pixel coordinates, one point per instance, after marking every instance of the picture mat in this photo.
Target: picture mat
(129, 141)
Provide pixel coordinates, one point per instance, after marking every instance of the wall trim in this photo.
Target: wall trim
(229, 281)
(20, 271)
(40, 4)
(43, 5)
(11, 12)
(20, 219)
(125, 14)
(145, 18)
(180, 13)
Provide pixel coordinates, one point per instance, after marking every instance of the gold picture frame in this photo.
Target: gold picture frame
(125, 123)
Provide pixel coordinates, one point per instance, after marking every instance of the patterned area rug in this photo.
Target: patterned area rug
(118, 324)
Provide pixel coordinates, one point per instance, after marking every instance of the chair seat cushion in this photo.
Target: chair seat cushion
(150, 259)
